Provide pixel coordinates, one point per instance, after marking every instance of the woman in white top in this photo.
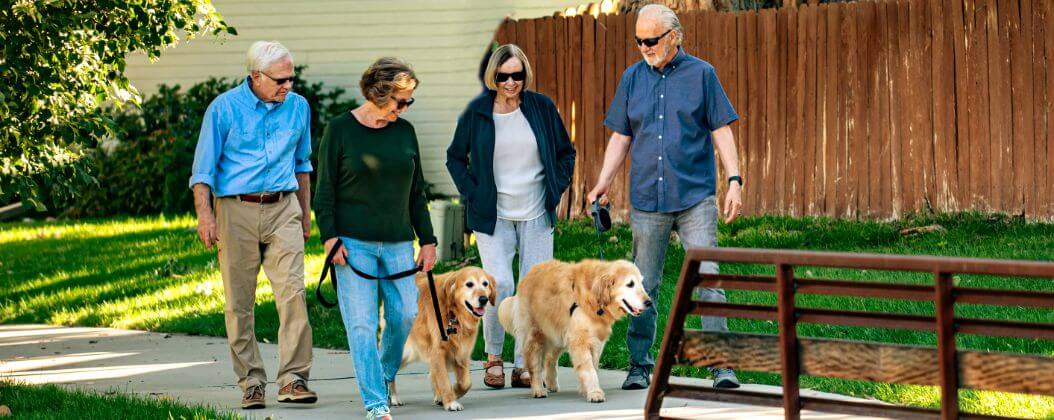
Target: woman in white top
(511, 159)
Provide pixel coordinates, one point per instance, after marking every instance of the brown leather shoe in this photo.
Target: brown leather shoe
(517, 378)
(253, 398)
(296, 392)
(494, 381)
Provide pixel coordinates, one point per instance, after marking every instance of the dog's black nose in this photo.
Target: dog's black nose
(647, 304)
(483, 300)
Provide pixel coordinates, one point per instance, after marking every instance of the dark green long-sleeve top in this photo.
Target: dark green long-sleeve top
(369, 184)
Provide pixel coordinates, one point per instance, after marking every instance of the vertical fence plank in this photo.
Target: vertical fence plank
(980, 136)
(810, 115)
(830, 113)
(1048, 48)
(957, 16)
(944, 152)
(770, 73)
(946, 357)
(1040, 69)
(1020, 41)
(795, 101)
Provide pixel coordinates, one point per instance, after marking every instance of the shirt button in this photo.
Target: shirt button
(660, 157)
(660, 117)
(660, 137)
(662, 96)
(660, 178)
(664, 76)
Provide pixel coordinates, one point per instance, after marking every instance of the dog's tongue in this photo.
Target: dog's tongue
(478, 311)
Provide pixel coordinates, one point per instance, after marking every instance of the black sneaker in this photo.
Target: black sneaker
(639, 377)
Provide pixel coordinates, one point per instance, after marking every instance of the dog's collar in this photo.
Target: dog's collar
(574, 305)
(452, 324)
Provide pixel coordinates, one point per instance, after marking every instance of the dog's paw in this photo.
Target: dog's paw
(437, 401)
(454, 406)
(540, 393)
(554, 387)
(595, 396)
(394, 401)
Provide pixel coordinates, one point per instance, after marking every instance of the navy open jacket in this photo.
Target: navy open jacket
(470, 157)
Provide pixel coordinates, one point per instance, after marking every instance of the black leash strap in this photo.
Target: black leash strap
(331, 272)
(435, 307)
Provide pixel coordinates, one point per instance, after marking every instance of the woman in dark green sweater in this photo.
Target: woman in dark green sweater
(370, 201)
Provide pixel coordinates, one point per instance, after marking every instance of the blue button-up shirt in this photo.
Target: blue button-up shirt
(250, 146)
(670, 113)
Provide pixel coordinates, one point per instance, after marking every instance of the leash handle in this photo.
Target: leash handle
(329, 271)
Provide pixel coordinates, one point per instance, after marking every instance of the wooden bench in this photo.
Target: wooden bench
(793, 356)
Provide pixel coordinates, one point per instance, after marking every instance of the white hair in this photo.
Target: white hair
(263, 54)
(668, 17)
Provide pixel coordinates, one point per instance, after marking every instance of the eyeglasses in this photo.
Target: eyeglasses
(651, 42)
(403, 103)
(517, 76)
(280, 81)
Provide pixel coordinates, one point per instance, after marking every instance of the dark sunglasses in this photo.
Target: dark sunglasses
(403, 103)
(651, 42)
(280, 81)
(518, 76)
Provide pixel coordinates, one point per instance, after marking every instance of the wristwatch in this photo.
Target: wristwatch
(736, 178)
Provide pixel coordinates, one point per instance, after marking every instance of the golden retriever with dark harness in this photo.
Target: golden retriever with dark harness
(463, 296)
(571, 307)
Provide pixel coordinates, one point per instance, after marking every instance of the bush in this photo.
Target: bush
(145, 169)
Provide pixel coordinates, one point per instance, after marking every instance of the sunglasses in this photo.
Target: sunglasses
(651, 42)
(280, 81)
(403, 103)
(517, 76)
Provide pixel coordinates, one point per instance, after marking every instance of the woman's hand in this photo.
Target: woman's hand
(340, 258)
(427, 257)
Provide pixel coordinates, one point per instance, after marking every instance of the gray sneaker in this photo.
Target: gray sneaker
(724, 378)
(639, 377)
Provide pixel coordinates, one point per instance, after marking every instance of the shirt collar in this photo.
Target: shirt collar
(245, 92)
(678, 57)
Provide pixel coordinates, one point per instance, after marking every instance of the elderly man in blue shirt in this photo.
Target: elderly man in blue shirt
(252, 195)
(668, 113)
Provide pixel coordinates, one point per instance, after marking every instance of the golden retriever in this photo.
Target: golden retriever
(463, 296)
(571, 307)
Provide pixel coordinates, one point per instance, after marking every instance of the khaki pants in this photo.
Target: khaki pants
(271, 235)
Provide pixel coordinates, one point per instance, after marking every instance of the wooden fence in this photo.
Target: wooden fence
(868, 109)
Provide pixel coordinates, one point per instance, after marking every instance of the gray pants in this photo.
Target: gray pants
(533, 239)
(697, 227)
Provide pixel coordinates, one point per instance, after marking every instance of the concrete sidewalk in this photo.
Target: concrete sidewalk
(196, 369)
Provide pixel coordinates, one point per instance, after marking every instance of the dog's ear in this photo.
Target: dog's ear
(600, 292)
(493, 287)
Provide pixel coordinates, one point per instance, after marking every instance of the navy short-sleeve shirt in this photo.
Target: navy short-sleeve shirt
(670, 115)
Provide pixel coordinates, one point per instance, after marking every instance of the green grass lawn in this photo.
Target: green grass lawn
(53, 402)
(151, 273)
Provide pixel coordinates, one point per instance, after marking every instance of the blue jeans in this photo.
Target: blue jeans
(697, 227)
(358, 301)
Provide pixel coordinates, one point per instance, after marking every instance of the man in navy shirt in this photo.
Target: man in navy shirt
(668, 113)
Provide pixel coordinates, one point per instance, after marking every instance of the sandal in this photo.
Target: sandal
(517, 378)
(494, 381)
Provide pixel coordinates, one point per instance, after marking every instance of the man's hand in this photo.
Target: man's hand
(341, 257)
(207, 231)
(427, 257)
(733, 202)
(598, 192)
(307, 226)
